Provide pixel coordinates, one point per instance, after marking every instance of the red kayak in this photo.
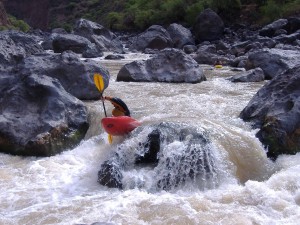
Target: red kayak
(120, 125)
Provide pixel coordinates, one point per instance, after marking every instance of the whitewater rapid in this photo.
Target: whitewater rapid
(63, 189)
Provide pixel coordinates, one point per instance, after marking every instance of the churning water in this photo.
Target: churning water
(244, 187)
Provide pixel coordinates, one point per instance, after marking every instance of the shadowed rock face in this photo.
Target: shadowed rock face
(176, 153)
(208, 27)
(34, 12)
(38, 117)
(275, 110)
(3, 16)
(75, 75)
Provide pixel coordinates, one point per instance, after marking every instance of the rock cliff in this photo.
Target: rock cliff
(3, 16)
(34, 12)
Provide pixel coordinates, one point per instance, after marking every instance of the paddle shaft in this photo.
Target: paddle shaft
(103, 104)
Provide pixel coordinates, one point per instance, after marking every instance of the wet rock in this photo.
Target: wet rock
(177, 153)
(180, 35)
(110, 175)
(97, 223)
(170, 65)
(155, 37)
(114, 57)
(275, 110)
(273, 61)
(75, 75)
(38, 117)
(208, 26)
(254, 75)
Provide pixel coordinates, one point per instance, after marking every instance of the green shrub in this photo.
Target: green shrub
(275, 9)
(18, 24)
(193, 10)
(114, 20)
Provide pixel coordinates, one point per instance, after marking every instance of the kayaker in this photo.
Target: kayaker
(120, 108)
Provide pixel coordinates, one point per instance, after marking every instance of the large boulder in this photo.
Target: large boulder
(75, 43)
(180, 35)
(15, 46)
(270, 29)
(155, 37)
(103, 38)
(170, 65)
(75, 75)
(178, 154)
(38, 117)
(293, 25)
(208, 26)
(273, 61)
(275, 110)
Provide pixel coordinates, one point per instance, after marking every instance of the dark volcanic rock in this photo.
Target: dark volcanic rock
(208, 27)
(170, 65)
(110, 175)
(15, 46)
(38, 117)
(75, 43)
(254, 75)
(180, 35)
(103, 38)
(273, 61)
(270, 29)
(75, 75)
(155, 37)
(176, 153)
(275, 110)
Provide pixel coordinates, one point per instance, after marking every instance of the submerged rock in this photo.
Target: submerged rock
(177, 154)
(170, 65)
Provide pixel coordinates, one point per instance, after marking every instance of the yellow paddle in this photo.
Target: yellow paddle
(99, 82)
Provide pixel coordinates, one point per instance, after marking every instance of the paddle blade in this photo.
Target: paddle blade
(99, 82)
(110, 138)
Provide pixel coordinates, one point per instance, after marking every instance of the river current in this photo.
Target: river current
(252, 189)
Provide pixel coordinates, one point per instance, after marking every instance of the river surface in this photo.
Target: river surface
(63, 189)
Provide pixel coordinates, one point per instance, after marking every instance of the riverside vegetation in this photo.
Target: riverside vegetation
(135, 15)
